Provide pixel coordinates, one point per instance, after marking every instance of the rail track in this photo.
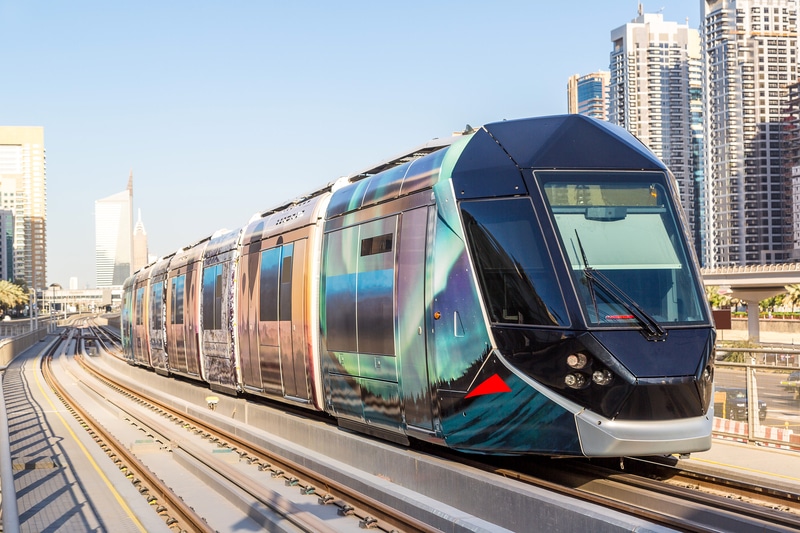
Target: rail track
(188, 438)
(655, 490)
(660, 491)
(176, 514)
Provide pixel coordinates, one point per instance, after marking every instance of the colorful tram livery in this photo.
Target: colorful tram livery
(527, 288)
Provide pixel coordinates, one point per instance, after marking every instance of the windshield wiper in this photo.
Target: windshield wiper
(651, 329)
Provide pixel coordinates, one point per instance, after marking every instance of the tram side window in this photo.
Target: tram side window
(375, 289)
(212, 297)
(140, 306)
(178, 285)
(359, 288)
(156, 305)
(340, 290)
(285, 310)
(268, 308)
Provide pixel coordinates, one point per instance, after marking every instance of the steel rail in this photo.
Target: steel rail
(689, 509)
(196, 459)
(105, 339)
(667, 470)
(370, 511)
(176, 513)
(681, 507)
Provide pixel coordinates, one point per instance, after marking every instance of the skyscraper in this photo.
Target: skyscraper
(656, 94)
(750, 57)
(23, 175)
(791, 160)
(588, 95)
(113, 217)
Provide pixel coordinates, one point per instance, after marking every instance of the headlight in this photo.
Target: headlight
(602, 377)
(575, 380)
(577, 360)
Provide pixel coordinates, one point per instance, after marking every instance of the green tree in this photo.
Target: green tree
(771, 303)
(792, 295)
(717, 300)
(11, 295)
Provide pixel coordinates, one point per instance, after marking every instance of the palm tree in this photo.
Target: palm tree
(792, 294)
(11, 295)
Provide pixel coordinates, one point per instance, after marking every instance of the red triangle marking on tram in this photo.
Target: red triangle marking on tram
(493, 385)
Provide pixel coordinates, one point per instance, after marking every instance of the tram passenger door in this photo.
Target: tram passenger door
(282, 325)
(191, 317)
(412, 287)
(248, 318)
(291, 315)
(140, 344)
(175, 311)
(268, 325)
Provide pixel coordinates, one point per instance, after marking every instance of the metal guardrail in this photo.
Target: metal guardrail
(7, 504)
(9, 349)
(764, 378)
(768, 356)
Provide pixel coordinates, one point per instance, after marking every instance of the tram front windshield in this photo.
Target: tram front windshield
(622, 238)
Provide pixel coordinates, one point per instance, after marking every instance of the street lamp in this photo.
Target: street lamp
(53, 317)
(32, 309)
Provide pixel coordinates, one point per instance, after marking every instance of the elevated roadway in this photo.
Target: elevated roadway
(751, 284)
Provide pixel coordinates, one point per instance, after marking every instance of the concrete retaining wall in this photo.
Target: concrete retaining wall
(774, 325)
(11, 347)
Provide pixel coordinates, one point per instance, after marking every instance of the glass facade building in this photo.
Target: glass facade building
(588, 95)
(114, 238)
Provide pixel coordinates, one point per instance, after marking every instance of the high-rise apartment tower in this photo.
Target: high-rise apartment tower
(750, 58)
(588, 95)
(23, 184)
(656, 94)
(791, 163)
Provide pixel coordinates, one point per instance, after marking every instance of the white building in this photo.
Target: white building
(114, 237)
(750, 57)
(656, 94)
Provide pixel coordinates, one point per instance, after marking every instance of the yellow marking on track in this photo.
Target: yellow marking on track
(102, 475)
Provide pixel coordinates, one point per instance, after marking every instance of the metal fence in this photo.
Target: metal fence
(10, 347)
(757, 398)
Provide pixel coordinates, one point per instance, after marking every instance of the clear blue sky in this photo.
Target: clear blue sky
(224, 109)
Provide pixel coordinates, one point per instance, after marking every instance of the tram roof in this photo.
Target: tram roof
(570, 142)
(492, 161)
(404, 157)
